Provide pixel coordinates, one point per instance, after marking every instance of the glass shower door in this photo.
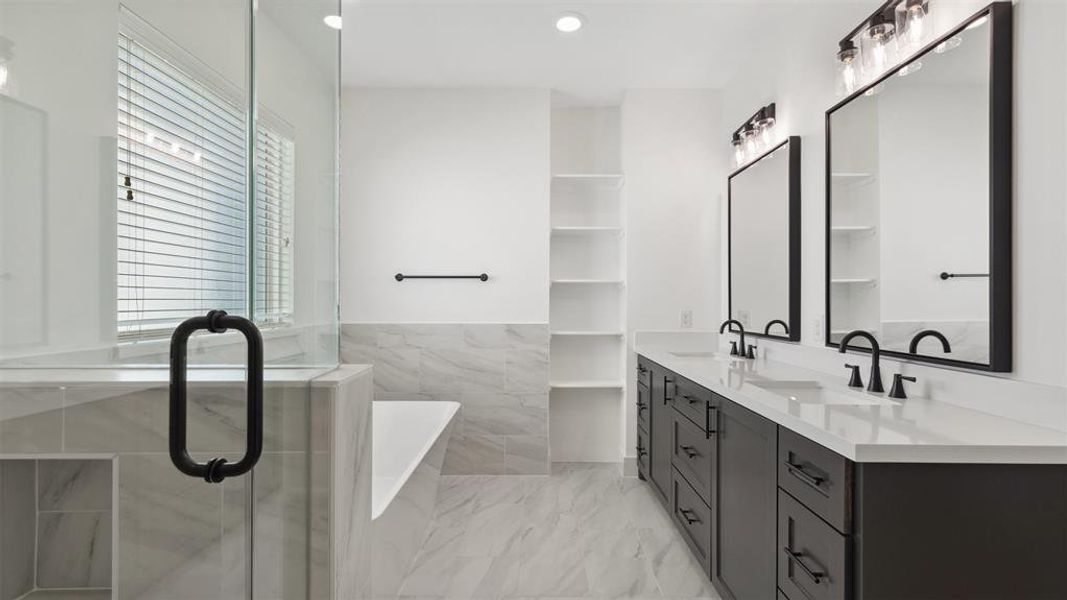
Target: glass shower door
(160, 159)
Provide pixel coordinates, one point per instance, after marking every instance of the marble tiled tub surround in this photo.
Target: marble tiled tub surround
(66, 504)
(400, 523)
(181, 538)
(499, 373)
(581, 532)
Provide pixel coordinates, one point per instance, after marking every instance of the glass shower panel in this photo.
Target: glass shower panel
(297, 91)
(130, 201)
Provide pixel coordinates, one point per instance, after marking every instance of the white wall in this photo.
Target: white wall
(675, 169)
(440, 181)
(802, 84)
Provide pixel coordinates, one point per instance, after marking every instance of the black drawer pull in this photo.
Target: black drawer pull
(799, 472)
(641, 452)
(685, 512)
(690, 451)
(641, 406)
(709, 417)
(691, 399)
(816, 576)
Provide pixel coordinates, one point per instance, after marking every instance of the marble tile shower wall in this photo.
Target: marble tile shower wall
(177, 537)
(55, 519)
(499, 373)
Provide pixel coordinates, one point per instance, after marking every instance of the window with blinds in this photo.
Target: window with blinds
(183, 216)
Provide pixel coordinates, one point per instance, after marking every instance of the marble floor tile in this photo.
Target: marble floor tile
(580, 532)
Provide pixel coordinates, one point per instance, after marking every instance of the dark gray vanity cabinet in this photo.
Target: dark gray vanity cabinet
(771, 514)
(660, 421)
(743, 564)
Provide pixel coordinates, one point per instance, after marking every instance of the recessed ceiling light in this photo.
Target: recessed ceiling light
(569, 22)
(332, 21)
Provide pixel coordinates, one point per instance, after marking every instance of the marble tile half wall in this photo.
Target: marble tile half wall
(499, 373)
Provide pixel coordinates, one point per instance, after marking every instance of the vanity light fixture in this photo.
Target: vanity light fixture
(896, 29)
(332, 21)
(569, 22)
(754, 135)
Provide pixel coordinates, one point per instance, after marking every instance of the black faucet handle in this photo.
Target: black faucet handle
(855, 380)
(733, 348)
(897, 389)
(751, 352)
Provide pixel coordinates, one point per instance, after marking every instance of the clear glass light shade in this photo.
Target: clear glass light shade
(751, 140)
(877, 45)
(912, 25)
(3, 76)
(849, 70)
(738, 153)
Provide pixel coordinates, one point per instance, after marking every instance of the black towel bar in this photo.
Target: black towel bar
(946, 276)
(402, 277)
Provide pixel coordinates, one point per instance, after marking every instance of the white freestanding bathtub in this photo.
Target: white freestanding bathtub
(410, 439)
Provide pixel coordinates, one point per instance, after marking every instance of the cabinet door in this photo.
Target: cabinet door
(660, 433)
(743, 550)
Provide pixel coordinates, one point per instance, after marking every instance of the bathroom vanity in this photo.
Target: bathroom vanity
(788, 484)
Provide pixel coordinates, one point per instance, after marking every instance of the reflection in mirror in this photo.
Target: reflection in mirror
(764, 243)
(910, 200)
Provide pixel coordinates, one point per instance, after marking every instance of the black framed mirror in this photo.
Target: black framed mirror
(763, 243)
(919, 202)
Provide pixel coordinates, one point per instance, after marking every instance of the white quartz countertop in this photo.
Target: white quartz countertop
(912, 430)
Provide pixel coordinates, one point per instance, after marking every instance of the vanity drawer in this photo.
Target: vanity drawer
(820, 478)
(812, 557)
(642, 451)
(692, 453)
(643, 411)
(694, 519)
(690, 399)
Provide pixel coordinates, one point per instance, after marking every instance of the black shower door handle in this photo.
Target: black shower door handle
(216, 469)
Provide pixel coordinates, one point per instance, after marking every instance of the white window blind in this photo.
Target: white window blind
(182, 205)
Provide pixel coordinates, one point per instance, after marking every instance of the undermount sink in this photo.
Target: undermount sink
(812, 392)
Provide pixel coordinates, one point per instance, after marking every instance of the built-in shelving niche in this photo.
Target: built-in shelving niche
(588, 285)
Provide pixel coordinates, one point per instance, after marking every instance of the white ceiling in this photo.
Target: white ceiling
(624, 44)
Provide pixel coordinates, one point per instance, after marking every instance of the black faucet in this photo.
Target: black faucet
(875, 383)
(767, 329)
(929, 333)
(733, 349)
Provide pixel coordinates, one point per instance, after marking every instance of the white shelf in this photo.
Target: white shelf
(853, 280)
(852, 178)
(588, 333)
(587, 282)
(591, 384)
(578, 230)
(587, 176)
(614, 180)
(846, 229)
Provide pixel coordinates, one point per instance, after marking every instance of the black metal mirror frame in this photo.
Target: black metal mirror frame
(793, 142)
(1000, 190)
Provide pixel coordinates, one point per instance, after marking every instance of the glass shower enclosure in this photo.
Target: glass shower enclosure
(160, 159)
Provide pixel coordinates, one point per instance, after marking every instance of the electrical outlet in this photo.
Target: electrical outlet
(687, 318)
